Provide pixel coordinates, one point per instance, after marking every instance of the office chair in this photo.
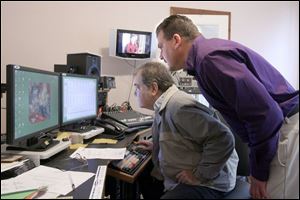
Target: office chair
(242, 187)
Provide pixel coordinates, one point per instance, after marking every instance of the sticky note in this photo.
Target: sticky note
(63, 135)
(76, 146)
(104, 141)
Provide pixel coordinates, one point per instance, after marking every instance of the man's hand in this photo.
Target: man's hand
(187, 177)
(144, 144)
(258, 189)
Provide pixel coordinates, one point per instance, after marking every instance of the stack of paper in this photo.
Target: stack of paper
(57, 182)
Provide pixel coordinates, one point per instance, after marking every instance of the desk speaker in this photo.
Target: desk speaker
(85, 63)
(64, 69)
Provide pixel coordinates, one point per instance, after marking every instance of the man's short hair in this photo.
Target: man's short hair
(155, 72)
(178, 24)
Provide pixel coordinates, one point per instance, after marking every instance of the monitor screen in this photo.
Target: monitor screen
(133, 44)
(79, 98)
(32, 104)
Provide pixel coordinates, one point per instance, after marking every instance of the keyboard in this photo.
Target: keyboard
(130, 118)
(134, 158)
(52, 143)
(98, 185)
(87, 131)
(84, 129)
(58, 147)
(92, 133)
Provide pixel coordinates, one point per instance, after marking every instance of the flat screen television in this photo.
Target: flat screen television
(79, 100)
(131, 44)
(32, 106)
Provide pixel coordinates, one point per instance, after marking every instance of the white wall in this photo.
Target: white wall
(40, 34)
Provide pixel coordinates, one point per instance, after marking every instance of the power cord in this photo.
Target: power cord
(134, 67)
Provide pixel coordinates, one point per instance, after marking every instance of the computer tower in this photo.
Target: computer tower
(85, 63)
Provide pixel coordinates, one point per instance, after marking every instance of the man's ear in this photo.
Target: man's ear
(177, 40)
(154, 88)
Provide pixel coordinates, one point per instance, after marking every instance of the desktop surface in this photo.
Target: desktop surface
(62, 161)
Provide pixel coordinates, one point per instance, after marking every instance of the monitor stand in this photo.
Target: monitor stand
(61, 145)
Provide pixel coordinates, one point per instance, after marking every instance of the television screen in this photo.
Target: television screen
(133, 44)
(79, 98)
(32, 104)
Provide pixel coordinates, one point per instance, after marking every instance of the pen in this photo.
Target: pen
(40, 191)
(71, 180)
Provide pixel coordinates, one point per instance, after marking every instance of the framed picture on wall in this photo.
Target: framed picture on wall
(211, 23)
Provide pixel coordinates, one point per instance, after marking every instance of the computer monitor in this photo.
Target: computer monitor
(32, 106)
(79, 100)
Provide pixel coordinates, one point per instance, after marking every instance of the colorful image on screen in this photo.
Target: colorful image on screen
(39, 102)
(134, 43)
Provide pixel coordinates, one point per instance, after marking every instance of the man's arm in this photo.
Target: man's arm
(245, 98)
(215, 138)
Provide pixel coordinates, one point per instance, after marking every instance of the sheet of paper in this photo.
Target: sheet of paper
(7, 158)
(7, 166)
(100, 153)
(58, 181)
(16, 185)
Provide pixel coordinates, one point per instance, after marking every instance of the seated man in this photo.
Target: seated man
(192, 151)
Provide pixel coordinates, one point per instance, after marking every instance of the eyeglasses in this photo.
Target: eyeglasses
(81, 159)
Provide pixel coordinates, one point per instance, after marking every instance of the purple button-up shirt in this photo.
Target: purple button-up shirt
(249, 92)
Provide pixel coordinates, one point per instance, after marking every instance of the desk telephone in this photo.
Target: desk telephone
(111, 126)
(116, 127)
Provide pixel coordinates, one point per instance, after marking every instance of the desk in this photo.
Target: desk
(115, 178)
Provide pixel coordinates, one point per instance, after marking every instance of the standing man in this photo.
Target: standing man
(253, 97)
(193, 160)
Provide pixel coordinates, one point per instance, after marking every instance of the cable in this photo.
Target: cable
(131, 81)
(121, 108)
(130, 64)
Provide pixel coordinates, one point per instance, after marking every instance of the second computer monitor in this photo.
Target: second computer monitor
(79, 98)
